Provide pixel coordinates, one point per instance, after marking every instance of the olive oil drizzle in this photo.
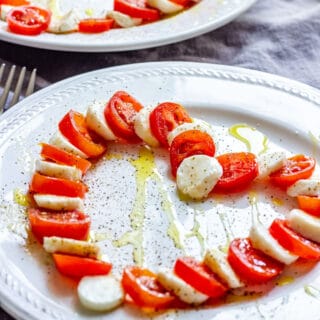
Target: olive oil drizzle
(234, 131)
(144, 166)
(227, 230)
(176, 230)
(253, 201)
(146, 170)
(196, 232)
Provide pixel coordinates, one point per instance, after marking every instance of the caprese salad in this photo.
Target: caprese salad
(57, 221)
(32, 17)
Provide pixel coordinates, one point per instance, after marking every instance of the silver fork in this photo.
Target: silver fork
(18, 86)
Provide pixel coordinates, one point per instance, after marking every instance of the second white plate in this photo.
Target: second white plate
(203, 17)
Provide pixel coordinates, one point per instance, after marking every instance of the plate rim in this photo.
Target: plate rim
(143, 44)
(237, 74)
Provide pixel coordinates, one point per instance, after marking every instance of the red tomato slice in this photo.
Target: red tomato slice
(77, 267)
(190, 143)
(296, 168)
(95, 25)
(120, 112)
(72, 224)
(57, 186)
(50, 152)
(309, 204)
(239, 170)
(73, 127)
(28, 20)
(136, 9)
(199, 276)
(183, 3)
(166, 117)
(293, 242)
(252, 265)
(144, 289)
(15, 2)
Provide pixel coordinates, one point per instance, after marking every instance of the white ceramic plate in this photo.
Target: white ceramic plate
(203, 17)
(286, 112)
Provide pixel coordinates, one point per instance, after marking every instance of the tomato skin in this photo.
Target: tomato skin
(28, 20)
(199, 276)
(73, 127)
(57, 186)
(250, 264)
(15, 2)
(53, 153)
(136, 9)
(296, 168)
(142, 286)
(239, 170)
(95, 25)
(187, 144)
(183, 3)
(72, 224)
(293, 242)
(166, 117)
(78, 267)
(120, 112)
(310, 205)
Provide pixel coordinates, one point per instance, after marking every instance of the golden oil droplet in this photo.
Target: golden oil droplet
(95, 236)
(284, 280)
(312, 291)
(21, 198)
(110, 156)
(277, 202)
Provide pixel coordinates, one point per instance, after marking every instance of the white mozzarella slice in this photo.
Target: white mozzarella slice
(71, 246)
(196, 124)
(270, 162)
(165, 6)
(218, 263)
(262, 239)
(305, 187)
(305, 224)
(100, 293)
(4, 9)
(123, 20)
(197, 175)
(96, 121)
(142, 127)
(59, 203)
(58, 170)
(65, 24)
(180, 288)
(61, 142)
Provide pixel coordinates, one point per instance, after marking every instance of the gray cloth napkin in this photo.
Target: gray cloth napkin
(281, 37)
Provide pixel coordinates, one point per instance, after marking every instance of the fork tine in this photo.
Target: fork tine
(17, 90)
(2, 70)
(31, 83)
(6, 88)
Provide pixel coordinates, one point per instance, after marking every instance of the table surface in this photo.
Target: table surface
(275, 36)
